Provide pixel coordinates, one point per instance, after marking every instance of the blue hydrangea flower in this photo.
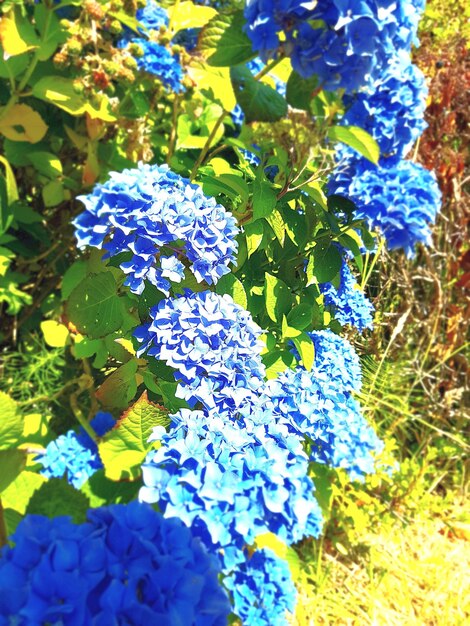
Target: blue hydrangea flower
(313, 404)
(231, 480)
(152, 16)
(150, 208)
(344, 42)
(75, 455)
(391, 109)
(336, 357)
(212, 343)
(401, 199)
(346, 440)
(262, 589)
(126, 565)
(160, 62)
(348, 303)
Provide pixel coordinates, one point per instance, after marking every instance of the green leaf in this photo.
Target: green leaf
(358, 139)
(101, 490)
(17, 495)
(56, 497)
(6, 214)
(213, 82)
(337, 203)
(306, 349)
(73, 277)
(299, 91)
(12, 463)
(120, 387)
(327, 261)
(11, 422)
(300, 317)
(60, 92)
(254, 235)
(264, 197)
(125, 447)
(259, 102)
(276, 221)
(224, 34)
(277, 296)
(12, 518)
(87, 348)
(46, 163)
(50, 30)
(17, 34)
(11, 187)
(237, 184)
(94, 306)
(53, 193)
(229, 284)
(276, 362)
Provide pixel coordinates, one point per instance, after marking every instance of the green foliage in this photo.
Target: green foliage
(225, 37)
(260, 102)
(56, 497)
(73, 107)
(125, 447)
(94, 306)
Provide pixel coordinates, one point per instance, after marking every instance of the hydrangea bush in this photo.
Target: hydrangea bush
(200, 185)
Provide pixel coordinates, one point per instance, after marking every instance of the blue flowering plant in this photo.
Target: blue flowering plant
(190, 196)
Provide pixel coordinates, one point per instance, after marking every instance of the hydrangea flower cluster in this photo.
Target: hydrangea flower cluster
(213, 344)
(262, 589)
(332, 421)
(318, 404)
(159, 61)
(75, 455)
(336, 357)
(152, 16)
(392, 108)
(344, 43)
(127, 564)
(142, 210)
(398, 197)
(348, 303)
(154, 58)
(401, 199)
(231, 481)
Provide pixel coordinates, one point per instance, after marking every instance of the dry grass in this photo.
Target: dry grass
(417, 575)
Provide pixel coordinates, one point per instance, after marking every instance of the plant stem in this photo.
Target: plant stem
(268, 68)
(173, 134)
(85, 383)
(207, 145)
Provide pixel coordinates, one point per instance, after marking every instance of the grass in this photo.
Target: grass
(411, 574)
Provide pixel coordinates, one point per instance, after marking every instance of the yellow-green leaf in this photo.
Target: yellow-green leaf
(125, 447)
(189, 15)
(22, 123)
(12, 189)
(16, 34)
(214, 82)
(306, 349)
(55, 334)
(60, 91)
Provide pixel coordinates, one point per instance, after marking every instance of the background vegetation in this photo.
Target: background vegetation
(395, 548)
(397, 552)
